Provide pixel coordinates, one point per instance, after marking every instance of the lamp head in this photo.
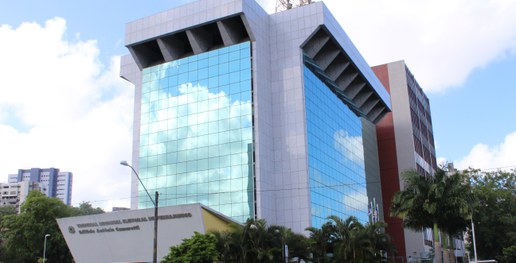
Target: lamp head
(47, 235)
(124, 163)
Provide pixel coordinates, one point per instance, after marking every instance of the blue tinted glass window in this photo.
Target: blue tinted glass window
(335, 155)
(196, 131)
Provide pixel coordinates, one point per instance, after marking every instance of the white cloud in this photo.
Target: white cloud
(487, 157)
(441, 41)
(61, 107)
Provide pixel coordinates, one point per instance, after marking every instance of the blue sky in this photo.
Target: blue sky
(482, 110)
(63, 104)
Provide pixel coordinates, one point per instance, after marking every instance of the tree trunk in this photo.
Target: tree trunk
(449, 252)
(438, 254)
(446, 256)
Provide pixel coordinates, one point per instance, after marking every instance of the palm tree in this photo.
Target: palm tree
(259, 241)
(378, 242)
(234, 244)
(320, 242)
(298, 246)
(349, 241)
(438, 202)
(254, 242)
(226, 246)
(343, 236)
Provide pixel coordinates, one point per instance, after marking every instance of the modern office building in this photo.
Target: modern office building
(253, 115)
(405, 142)
(51, 181)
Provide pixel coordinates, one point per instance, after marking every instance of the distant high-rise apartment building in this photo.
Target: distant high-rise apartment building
(255, 115)
(51, 181)
(405, 142)
(14, 194)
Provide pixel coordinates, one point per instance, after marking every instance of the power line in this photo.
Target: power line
(281, 189)
(261, 191)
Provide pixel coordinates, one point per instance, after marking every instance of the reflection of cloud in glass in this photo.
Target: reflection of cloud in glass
(205, 136)
(357, 199)
(353, 196)
(196, 114)
(349, 146)
(196, 130)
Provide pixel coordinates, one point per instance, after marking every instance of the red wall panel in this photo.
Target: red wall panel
(389, 172)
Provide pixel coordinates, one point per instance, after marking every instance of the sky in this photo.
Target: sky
(63, 105)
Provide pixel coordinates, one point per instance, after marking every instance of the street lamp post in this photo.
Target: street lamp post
(45, 248)
(474, 241)
(155, 202)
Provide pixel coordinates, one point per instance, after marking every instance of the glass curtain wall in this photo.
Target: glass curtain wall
(335, 155)
(196, 132)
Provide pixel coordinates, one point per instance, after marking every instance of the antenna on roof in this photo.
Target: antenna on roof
(282, 5)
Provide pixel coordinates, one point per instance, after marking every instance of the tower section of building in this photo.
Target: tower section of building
(251, 114)
(405, 142)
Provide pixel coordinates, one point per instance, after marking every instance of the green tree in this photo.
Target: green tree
(376, 243)
(238, 244)
(7, 210)
(255, 241)
(4, 211)
(440, 202)
(348, 240)
(85, 208)
(298, 245)
(495, 217)
(343, 238)
(258, 241)
(233, 244)
(320, 242)
(226, 245)
(24, 233)
(355, 242)
(200, 248)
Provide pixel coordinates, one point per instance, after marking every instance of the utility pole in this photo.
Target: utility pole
(155, 251)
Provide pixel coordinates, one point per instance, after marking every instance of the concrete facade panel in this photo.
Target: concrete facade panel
(126, 236)
(396, 140)
(372, 165)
